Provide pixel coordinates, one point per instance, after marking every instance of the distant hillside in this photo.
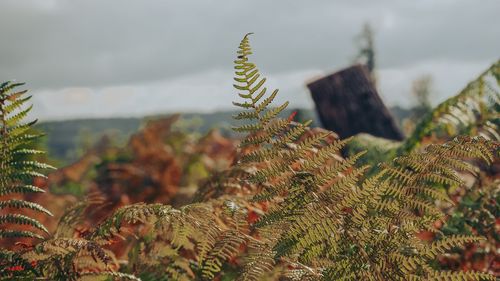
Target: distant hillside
(66, 140)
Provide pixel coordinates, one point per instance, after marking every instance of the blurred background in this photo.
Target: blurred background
(111, 63)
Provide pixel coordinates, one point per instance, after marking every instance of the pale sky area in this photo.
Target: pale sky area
(95, 58)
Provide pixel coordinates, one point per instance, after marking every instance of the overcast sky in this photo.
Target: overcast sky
(99, 58)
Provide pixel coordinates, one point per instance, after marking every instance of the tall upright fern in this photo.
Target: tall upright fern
(329, 220)
(57, 258)
(17, 169)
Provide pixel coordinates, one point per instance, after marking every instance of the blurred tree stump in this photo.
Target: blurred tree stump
(348, 103)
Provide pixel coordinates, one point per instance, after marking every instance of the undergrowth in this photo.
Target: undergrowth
(289, 208)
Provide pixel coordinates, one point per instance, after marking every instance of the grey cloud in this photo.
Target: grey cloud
(54, 44)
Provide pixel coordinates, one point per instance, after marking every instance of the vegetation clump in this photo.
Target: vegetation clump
(290, 207)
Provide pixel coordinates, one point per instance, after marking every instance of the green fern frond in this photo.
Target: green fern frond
(18, 103)
(258, 262)
(75, 215)
(22, 220)
(23, 189)
(474, 111)
(251, 84)
(65, 246)
(337, 220)
(20, 204)
(448, 243)
(136, 213)
(7, 233)
(227, 246)
(17, 170)
(461, 275)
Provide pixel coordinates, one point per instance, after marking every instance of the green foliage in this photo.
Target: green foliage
(193, 228)
(330, 218)
(17, 169)
(318, 216)
(377, 150)
(474, 111)
(58, 258)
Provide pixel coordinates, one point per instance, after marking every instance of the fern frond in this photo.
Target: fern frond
(22, 220)
(460, 275)
(17, 170)
(335, 220)
(18, 103)
(23, 189)
(131, 214)
(64, 246)
(448, 243)
(474, 111)
(15, 119)
(74, 215)
(6, 233)
(258, 262)
(20, 204)
(227, 246)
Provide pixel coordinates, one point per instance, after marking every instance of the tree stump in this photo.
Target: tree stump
(348, 103)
